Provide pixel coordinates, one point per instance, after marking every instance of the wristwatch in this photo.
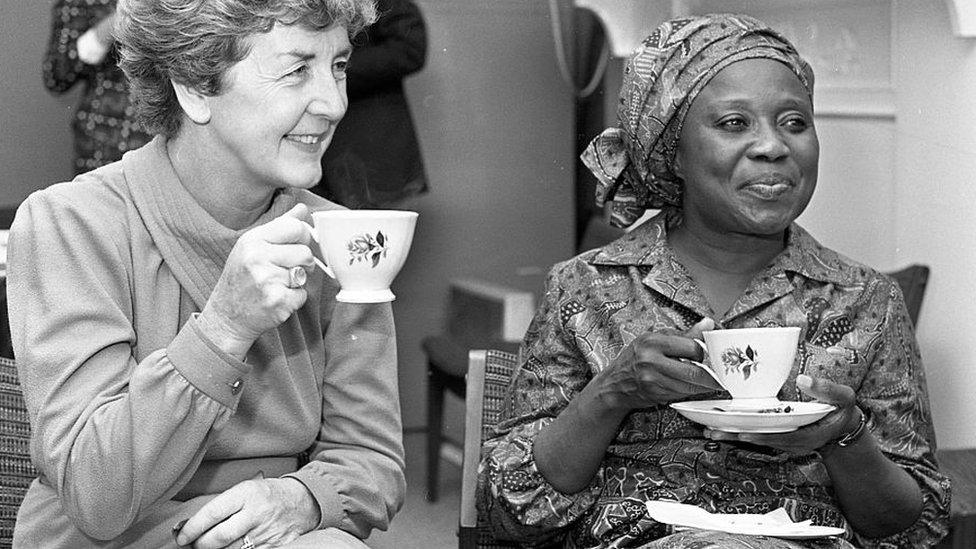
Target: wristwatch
(855, 435)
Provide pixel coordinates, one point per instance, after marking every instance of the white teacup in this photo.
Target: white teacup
(752, 363)
(364, 250)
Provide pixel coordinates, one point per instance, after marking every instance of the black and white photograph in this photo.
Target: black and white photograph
(480, 274)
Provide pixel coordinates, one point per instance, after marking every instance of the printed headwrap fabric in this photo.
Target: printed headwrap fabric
(632, 161)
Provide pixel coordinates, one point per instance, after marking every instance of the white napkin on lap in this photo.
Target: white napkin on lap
(776, 523)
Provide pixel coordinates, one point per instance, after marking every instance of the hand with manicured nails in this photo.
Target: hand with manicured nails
(650, 371)
(252, 294)
(815, 436)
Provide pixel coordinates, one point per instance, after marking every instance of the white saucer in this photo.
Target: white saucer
(782, 418)
(776, 523)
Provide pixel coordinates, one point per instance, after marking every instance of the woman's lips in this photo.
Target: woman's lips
(309, 142)
(769, 187)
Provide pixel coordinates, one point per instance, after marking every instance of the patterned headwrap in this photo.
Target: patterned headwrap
(633, 161)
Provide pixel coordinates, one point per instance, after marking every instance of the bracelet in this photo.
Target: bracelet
(855, 435)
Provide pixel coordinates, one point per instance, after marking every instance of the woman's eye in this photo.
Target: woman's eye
(796, 123)
(732, 124)
(299, 71)
(339, 69)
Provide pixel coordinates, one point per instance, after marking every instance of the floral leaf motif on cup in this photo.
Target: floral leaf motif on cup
(366, 247)
(735, 360)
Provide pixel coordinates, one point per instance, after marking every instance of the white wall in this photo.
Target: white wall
(495, 124)
(35, 141)
(935, 202)
(852, 210)
(899, 191)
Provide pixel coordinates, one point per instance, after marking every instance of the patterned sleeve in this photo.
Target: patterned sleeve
(69, 20)
(895, 397)
(513, 494)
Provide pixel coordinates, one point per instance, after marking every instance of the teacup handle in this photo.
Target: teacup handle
(704, 366)
(315, 237)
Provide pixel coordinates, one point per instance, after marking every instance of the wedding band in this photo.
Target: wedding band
(246, 542)
(297, 277)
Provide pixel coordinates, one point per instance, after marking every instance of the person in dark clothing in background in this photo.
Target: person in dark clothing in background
(374, 160)
(82, 49)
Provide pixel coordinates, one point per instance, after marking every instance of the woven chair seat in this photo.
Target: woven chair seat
(16, 469)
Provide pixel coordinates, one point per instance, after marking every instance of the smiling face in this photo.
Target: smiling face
(280, 107)
(748, 150)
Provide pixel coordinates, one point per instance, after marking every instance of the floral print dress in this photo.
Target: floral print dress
(855, 330)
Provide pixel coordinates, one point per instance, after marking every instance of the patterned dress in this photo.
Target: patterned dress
(855, 330)
(104, 123)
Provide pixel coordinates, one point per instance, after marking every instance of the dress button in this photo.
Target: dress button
(711, 446)
(236, 386)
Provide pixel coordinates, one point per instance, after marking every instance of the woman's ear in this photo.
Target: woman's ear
(676, 166)
(193, 103)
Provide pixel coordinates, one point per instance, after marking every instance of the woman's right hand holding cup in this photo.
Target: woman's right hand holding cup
(650, 370)
(254, 292)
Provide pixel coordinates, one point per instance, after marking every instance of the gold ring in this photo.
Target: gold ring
(246, 543)
(297, 277)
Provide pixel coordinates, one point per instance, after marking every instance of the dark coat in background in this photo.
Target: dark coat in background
(374, 160)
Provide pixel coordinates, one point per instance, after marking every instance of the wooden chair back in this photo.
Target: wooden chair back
(912, 279)
(489, 372)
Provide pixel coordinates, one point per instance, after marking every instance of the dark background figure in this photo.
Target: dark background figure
(374, 160)
(82, 49)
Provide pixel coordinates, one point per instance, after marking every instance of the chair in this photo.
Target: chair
(480, 315)
(912, 280)
(489, 372)
(16, 469)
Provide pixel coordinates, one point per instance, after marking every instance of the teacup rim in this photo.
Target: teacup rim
(365, 213)
(766, 329)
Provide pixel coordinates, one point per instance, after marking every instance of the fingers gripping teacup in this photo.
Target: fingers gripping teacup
(752, 363)
(364, 250)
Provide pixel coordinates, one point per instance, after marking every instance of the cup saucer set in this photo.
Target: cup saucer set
(751, 364)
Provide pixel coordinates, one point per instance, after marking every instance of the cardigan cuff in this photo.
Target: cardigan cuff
(331, 511)
(212, 371)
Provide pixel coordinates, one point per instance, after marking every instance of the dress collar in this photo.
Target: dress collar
(647, 245)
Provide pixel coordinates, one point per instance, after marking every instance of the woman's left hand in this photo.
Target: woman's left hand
(812, 437)
(270, 512)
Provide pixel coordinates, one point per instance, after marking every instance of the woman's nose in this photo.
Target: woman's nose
(769, 143)
(328, 98)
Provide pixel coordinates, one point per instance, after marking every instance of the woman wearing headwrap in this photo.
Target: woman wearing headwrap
(716, 129)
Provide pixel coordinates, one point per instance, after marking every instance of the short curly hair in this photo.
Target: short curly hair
(195, 42)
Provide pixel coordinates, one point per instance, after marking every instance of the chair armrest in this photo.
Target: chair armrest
(472, 436)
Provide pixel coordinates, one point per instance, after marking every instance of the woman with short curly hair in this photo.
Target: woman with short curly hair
(194, 42)
(188, 371)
